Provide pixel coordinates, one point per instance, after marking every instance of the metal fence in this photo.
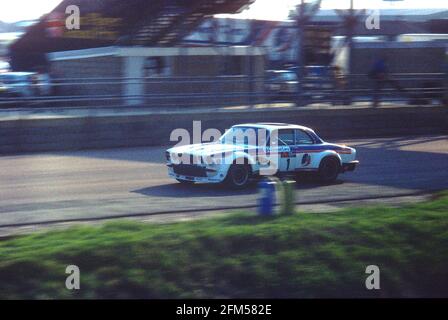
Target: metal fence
(224, 91)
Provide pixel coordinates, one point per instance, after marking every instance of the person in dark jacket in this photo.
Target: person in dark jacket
(379, 73)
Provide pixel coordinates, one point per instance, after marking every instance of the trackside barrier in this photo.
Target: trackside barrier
(287, 199)
(272, 188)
(266, 202)
(65, 132)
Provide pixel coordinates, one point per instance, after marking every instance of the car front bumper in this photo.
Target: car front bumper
(349, 166)
(208, 176)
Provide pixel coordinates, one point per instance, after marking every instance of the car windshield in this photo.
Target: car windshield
(245, 135)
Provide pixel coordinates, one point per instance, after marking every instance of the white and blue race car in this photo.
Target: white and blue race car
(247, 151)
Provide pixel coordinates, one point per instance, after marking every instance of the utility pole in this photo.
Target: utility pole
(351, 18)
(303, 16)
(300, 23)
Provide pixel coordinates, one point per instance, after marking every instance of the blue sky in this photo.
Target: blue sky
(14, 10)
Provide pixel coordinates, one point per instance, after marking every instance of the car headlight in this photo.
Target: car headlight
(213, 160)
(218, 160)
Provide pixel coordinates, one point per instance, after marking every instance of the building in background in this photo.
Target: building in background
(111, 27)
(115, 23)
(325, 35)
(181, 22)
(279, 38)
(137, 74)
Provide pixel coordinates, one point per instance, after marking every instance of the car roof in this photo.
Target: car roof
(273, 126)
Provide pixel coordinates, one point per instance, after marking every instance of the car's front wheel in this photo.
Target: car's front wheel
(238, 176)
(329, 169)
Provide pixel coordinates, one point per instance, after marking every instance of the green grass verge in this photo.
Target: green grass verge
(240, 256)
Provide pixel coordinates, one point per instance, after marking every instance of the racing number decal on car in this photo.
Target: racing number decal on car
(306, 160)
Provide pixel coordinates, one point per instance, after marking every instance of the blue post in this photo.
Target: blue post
(266, 202)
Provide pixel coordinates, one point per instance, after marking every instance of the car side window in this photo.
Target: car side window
(303, 138)
(286, 136)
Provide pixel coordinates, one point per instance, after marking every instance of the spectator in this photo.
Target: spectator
(379, 73)
(339, 84)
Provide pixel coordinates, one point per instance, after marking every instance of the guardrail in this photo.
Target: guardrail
(415, 88)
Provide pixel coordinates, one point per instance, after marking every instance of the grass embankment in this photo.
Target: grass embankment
(303, 255)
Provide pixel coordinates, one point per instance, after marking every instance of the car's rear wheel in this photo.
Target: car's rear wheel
(329, 169)
(238, 176)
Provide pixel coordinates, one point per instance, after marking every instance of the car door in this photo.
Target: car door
(302, 150)
(286, 140)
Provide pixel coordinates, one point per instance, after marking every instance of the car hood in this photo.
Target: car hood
(207, 148)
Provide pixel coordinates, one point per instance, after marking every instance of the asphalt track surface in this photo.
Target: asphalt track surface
(100, 184)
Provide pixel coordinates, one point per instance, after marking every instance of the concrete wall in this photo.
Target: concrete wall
(35, 135)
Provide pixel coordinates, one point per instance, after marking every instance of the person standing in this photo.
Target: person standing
(379, 73)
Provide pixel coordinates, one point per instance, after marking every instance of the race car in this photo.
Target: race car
(248, 151)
